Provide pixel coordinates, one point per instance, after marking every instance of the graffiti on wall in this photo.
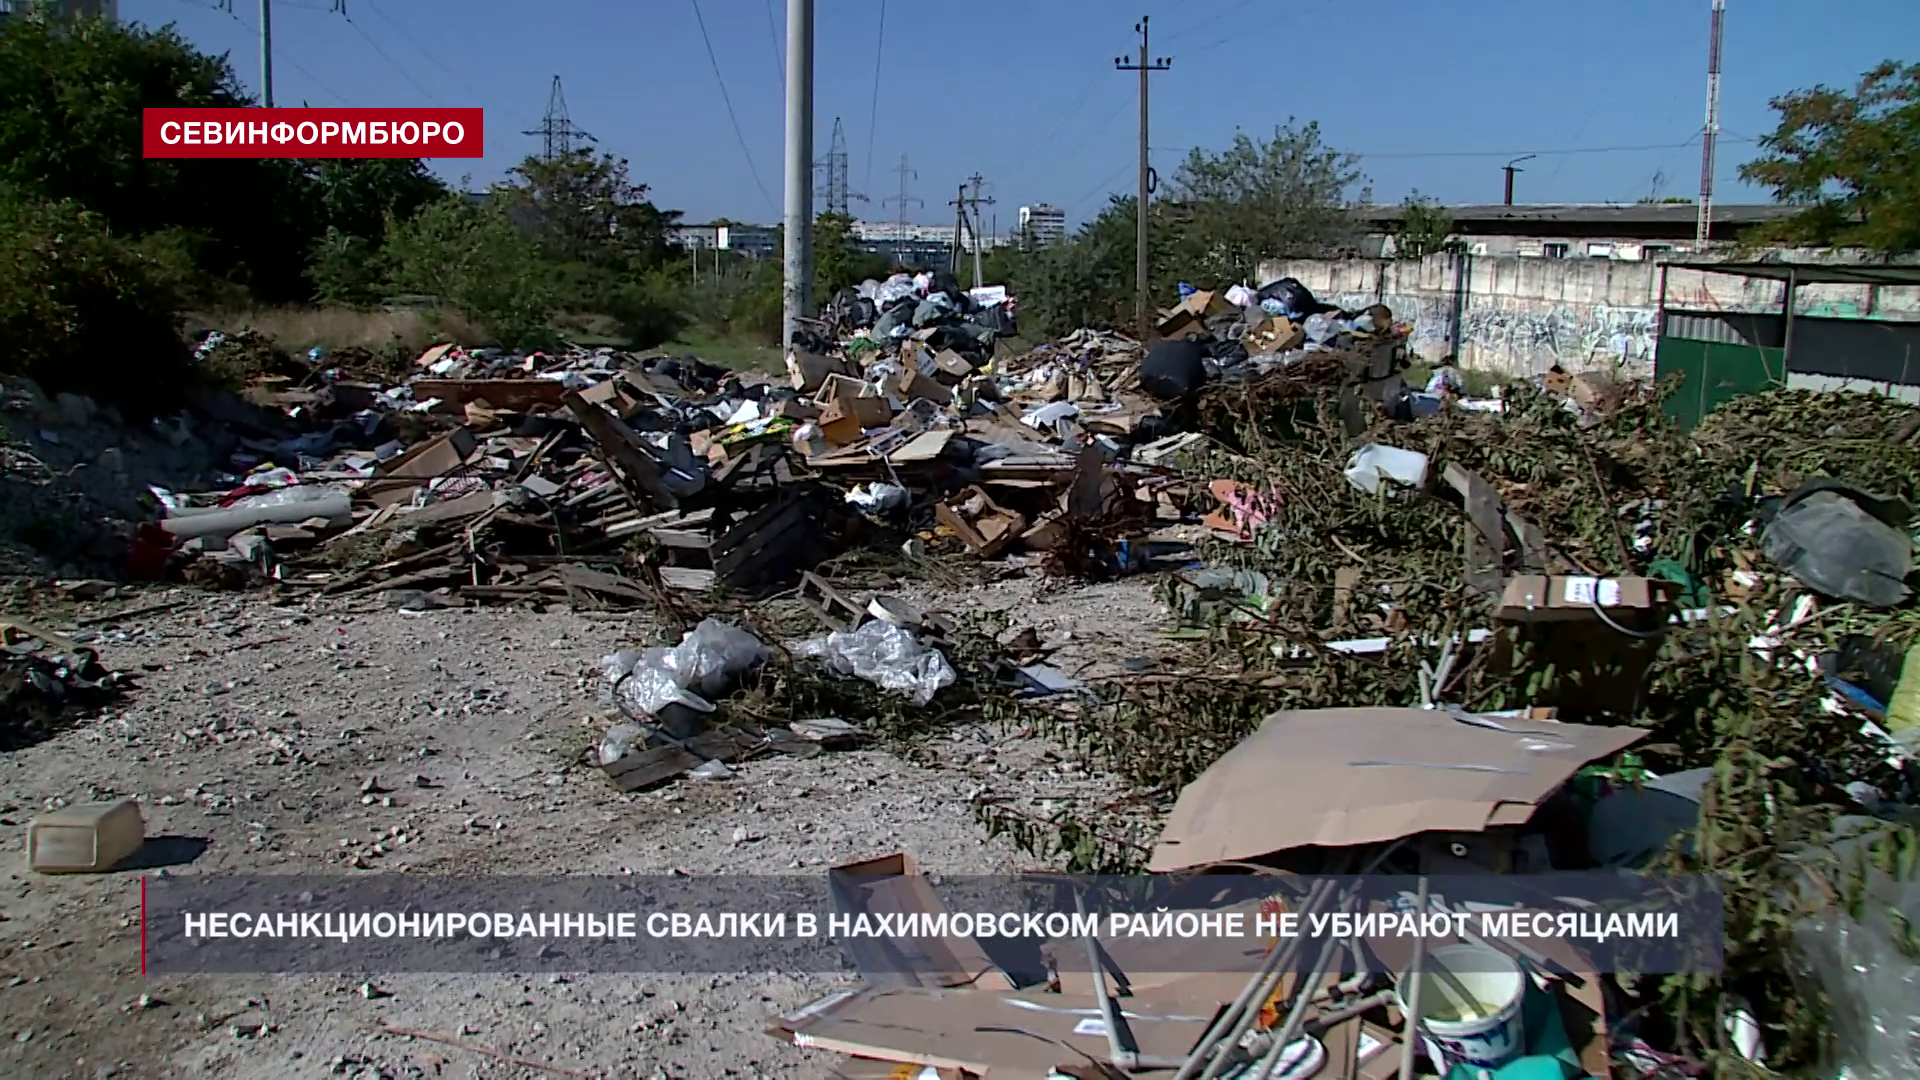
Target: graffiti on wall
(1524, 337)
(1531, 339)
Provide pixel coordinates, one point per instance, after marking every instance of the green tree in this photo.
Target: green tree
(475, 258)
(1259, 199)
(585, 208)
(359, 196)
(1425, 229)
(71, 129)
(84, 310)
(838, 261)
(1849, 160)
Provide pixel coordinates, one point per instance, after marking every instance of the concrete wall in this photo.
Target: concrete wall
(1520, 316)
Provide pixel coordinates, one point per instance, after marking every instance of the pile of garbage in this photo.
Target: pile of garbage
(1724, 614)
(597, 478)
(721, 695)
(47, 683)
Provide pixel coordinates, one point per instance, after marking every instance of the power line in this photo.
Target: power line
(1536, 153)
(1204, 23)
(773, 36)
(384, 55)
(727, 100)
(290, 61)
(873, 112)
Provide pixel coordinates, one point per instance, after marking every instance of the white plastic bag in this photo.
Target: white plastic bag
(887, 656)
(712, 655)
(1372, 464)
(654, 684)
(619, 739)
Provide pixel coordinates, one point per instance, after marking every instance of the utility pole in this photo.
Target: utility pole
(1511, 167)
(798, 224)
(1703, 230)
(978, 241)
(959, 203)
(1144, 302)
(266, 53)
(900, 201)
(835, 187)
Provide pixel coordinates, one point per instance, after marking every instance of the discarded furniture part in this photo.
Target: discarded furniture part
(1440, 774)
(794, 532)
(85, 839)
(639, 471)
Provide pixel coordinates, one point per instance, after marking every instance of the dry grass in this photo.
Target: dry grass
(300, 329)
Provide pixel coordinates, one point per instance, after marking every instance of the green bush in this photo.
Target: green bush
(82, 310)
(475, 259)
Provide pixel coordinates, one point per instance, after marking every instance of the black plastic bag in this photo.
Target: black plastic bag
(1174, 370)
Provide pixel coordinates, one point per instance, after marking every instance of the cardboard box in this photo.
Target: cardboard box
(1538, 598)
(892, 884)
(844, 420)
(1344, 777)
(911, 385)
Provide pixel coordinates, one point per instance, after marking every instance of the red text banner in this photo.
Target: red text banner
(313, 133)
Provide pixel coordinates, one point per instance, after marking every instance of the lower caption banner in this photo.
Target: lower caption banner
(313, 133)
(907, 927)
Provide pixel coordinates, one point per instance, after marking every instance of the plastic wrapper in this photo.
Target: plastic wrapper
(1871, 981)
(887, 656)
(654, 685)
(892, 289)
(712, 655)
(619, 739)
(878, 497)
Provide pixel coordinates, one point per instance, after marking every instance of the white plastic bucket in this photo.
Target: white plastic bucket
(1470, 999)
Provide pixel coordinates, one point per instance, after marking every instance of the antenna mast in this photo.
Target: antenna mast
(1703, 233)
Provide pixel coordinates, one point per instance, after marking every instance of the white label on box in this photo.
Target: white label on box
(1586, 591)
(1090, 1027)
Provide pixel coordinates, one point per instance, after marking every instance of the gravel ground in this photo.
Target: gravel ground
(254, 733)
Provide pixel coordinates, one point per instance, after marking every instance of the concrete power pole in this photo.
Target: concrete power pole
(1703, 230)
(1146, 67)
(266, 53)
(979, 241)
(798, 223)
(959, 203)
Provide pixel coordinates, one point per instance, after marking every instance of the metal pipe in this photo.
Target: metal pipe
(1413, 995)
(1302, 1000)
(797, 224)
(1305, 989)
(1257, 989)
(1122, 1056)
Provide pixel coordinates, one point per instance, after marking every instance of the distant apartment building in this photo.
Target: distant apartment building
(1042, 224)
(65, 9)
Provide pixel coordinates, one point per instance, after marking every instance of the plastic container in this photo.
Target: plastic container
(85, 839)
(1470, 999)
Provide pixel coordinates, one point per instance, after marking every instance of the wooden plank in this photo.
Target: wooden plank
(644, 768)
(925, 446)
(514, 395)
(1533, 542)
(691, 539)
(622, 450)
(776, 535)
(1486, 544)
(688, 578)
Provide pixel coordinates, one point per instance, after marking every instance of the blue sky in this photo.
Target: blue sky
(1436, 95)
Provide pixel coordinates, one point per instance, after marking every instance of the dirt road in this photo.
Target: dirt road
(323, 739)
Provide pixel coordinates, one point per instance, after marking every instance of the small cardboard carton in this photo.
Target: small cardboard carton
(1539, 598)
